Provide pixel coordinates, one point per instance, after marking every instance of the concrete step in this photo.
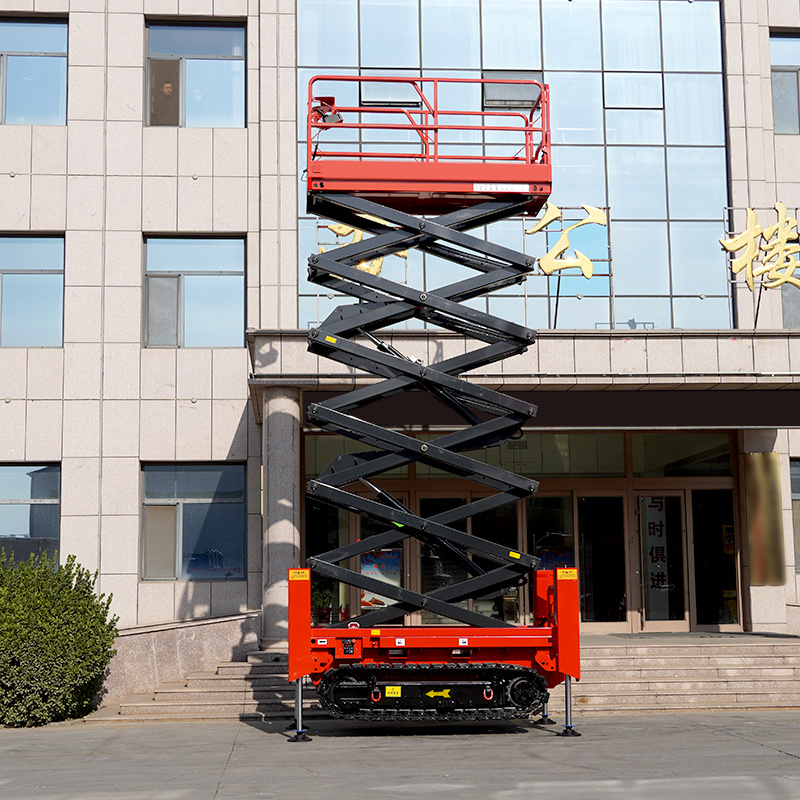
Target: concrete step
(180, 709)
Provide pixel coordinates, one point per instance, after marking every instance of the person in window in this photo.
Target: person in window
(164, 105)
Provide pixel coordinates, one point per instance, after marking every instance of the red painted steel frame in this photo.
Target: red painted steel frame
(434, 177)
(552, 646)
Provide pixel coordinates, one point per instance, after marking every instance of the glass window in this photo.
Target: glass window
(451, 34)
(785, 118)
(33, 67)
(631, 35)
(511, 36)
(194, 522)
(698, 263)
(514, 95)
(31, 291)
(691, 34)
(578, 313)
(196, 76)
(794, 471)
(641, 258)
(637, 183)
(633, 90)
(790, 302)
(701, 313)
(642, 313)
(327, 33)
(672, 455)
(30, 511)
(571, 34)
(785, 60)
(194, 292)
(389, 33)
(698, 187)
(631, 126)
(576, 107)
(579, 176)
(694, 109)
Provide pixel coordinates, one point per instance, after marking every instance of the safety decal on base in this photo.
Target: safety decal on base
(567, 574)
(299, 574)
(375, 632)
(394, 691)
(523, 188)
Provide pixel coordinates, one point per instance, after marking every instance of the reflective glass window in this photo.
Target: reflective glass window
(631, 35)
(637, 182)
(673, 455)
(194, 292)
(640, 257)
(698, 263)
(33, 68)
(196, 76)
(327, 33)
(571, 34)
(579, 176)
(697, 182)
(31, 291)
(573, 313)
(629, 126)
(576, 107)
(695, 313)
(785, 60)
(511, 36)
(790, 304)
(633, 90)
(642, 313)
(694, 109)
(194, 522)
(691, 34)
(214, 94)
(389, 33)
(29, 509)
(785, 117)
(451, 34)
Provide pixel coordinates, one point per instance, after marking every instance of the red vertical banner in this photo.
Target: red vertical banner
(568, 623)
(299, 623)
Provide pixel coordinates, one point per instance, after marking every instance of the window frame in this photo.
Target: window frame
(36, 271)
(182, 59)
(178, 503)
(4, 54)
(794, 493)
(181, 275)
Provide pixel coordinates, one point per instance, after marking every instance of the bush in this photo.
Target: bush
(56, 640)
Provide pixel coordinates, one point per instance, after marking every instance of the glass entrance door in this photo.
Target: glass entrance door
(602, 562)
(662, 544)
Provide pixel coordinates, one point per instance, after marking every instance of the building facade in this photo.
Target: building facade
(154, 306)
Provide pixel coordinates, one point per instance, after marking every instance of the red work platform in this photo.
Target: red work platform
(425, 170)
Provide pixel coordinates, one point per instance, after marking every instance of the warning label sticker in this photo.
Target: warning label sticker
(568, 574)
(299, 574)
(393, 691)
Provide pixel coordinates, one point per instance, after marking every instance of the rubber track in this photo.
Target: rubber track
(327, 685)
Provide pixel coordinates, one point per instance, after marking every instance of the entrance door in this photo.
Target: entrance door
(602, 561)
(663, 552)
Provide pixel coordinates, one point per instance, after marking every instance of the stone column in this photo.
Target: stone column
(280, 451)
(766, 605)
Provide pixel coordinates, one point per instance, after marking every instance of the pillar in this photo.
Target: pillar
(280, 451)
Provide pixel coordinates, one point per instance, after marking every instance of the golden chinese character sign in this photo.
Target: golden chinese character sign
(552, 261)
(770, 251)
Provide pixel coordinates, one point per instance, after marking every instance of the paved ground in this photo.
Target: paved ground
(666, 757)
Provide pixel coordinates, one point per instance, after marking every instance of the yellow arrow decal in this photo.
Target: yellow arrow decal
(443, 693)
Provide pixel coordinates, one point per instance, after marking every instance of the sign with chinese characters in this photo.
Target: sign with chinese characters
(656, 584)
(770, 251)
(551, 261)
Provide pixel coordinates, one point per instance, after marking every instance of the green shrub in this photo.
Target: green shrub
(56, 640)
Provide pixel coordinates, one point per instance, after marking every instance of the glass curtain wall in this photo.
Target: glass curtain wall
(637, 128)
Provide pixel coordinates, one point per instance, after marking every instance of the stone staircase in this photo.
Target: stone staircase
(620, 675)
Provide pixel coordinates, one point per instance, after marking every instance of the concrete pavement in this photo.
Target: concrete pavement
(721, 756)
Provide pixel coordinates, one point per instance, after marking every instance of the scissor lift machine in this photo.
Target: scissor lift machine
(426, 194)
